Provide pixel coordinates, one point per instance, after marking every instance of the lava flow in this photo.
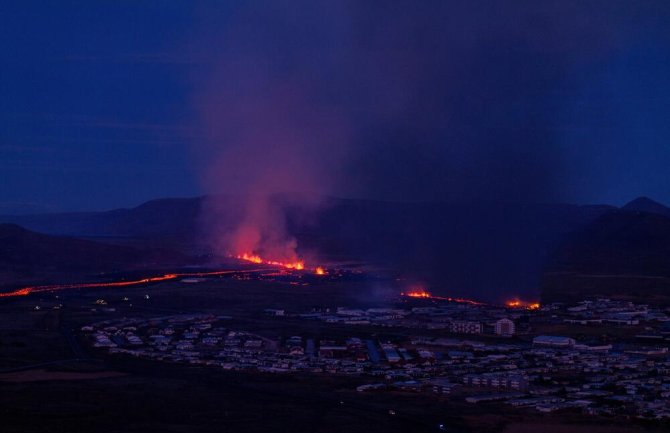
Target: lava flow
(298, 265)
(253, 258)
(418, 294)
(517, 303)
(20, 292)
(421, 293)
(24, 291)
(166, 277)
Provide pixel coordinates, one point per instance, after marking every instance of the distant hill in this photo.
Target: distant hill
(157, 218)
(645, 204)
(27, 253)
(623, 254)
(159, 224)
(485, 251)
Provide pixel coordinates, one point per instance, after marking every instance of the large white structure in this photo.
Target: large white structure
(505, 327)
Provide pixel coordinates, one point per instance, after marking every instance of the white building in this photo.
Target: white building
(505, 327)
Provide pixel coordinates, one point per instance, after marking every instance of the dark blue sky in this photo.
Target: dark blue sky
(108, 104)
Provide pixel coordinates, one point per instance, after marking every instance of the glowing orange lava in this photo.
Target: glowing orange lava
(421, 293)
(297, 265)
(253, 258)
(20, 292)
(166, 277)
(518, 303)
(250, 258)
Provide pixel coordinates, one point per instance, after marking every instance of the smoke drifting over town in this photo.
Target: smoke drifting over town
(406, 101)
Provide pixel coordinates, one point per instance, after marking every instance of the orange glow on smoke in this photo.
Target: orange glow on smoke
(253, 258)
(518, 303)
(320, 271)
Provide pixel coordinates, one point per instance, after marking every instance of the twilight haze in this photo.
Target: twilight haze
(109, 104)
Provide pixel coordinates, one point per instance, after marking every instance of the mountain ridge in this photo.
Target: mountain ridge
(480, 250)
(645, 204)
(622, 254)
(28, 254)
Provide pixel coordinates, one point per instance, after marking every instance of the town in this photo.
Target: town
(611, 358)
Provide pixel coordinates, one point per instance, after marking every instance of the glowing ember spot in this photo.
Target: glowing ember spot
(518, 303)
(320, 271)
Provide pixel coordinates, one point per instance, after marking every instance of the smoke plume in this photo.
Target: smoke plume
(409, 101)
(270, 144)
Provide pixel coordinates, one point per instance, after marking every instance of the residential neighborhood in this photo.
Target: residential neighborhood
(475, 353)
